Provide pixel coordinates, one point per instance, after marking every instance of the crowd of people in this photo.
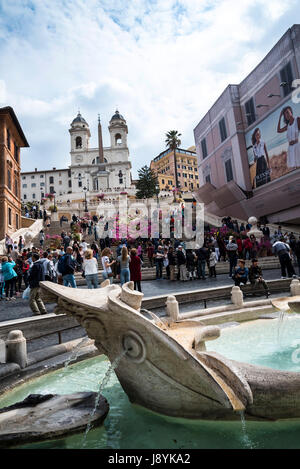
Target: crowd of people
(24, 267)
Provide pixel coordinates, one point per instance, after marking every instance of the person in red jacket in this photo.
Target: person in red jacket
(247, 248)
(135, 269)
(239, 242)
(25, 269)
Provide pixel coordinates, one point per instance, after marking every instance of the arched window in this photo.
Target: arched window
(118, 139)
(78, 142)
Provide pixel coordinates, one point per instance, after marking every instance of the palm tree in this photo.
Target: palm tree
(172, 142)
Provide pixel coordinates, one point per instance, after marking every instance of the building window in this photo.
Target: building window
(286, 76)
(24, 196)
(70, 183)
(16, 187)
(9, 215)
(179, 175)
(9, 179)
(51, 180)
(79, 183)
(8, 140)
(207, 178)
(16, 152)
(32, 177)
(41, 175)
(204, 148)
(250, 111)
(162, 181)
(51, 190)
(24, 186)
(69, 173)
(170, 183)
(228, 169)
(23, 177)
(223, 131)
(42, 184)
(33, 196)
(17, 221)
(42, 195)
(33, 184)
(78, 142)
(60, 183)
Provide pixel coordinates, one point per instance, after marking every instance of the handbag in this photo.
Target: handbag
(26, 293)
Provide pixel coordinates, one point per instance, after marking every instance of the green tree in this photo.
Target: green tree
(172, 142)
(147, 185)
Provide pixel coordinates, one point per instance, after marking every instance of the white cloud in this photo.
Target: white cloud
(163, 63)
(2, 92)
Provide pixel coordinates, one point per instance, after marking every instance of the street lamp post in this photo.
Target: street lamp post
(85, 201)
(157, 192)
(54, 208)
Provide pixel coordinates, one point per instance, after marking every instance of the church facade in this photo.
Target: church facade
(94, 170)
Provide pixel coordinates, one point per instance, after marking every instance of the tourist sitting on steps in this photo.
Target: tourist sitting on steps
(256, 276)
(240, 273)
(36, 275)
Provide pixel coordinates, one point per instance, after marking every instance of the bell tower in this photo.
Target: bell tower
(118, 131)
(80, 134)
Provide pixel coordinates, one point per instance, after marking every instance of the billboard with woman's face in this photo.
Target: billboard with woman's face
(274, 145)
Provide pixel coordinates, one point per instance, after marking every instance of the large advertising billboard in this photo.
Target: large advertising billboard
(274, 145)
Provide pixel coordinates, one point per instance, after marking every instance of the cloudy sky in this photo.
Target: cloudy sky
(162, 63)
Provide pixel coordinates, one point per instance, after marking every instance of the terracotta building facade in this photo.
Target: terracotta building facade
(248, 143)
(187, 169)
(12, 139)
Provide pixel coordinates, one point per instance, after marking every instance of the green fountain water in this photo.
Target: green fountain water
(131, 427)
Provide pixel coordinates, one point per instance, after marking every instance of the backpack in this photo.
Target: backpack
(61, 266)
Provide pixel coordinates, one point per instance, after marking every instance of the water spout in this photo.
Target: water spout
(103, 383)
(245, 437)
(75, 351)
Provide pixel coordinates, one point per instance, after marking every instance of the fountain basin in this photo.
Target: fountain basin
(166, 368)
(130, 426)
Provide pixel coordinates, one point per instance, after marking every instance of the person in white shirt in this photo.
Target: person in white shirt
(213, 260)
(90, 269)
(106, 264)
(83, 245)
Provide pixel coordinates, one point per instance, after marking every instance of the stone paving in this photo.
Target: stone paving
(19, 308)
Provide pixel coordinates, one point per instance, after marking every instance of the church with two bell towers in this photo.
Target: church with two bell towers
(92, 169)
(101, 168)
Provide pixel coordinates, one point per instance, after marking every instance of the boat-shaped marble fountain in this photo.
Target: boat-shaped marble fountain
(164, 364)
